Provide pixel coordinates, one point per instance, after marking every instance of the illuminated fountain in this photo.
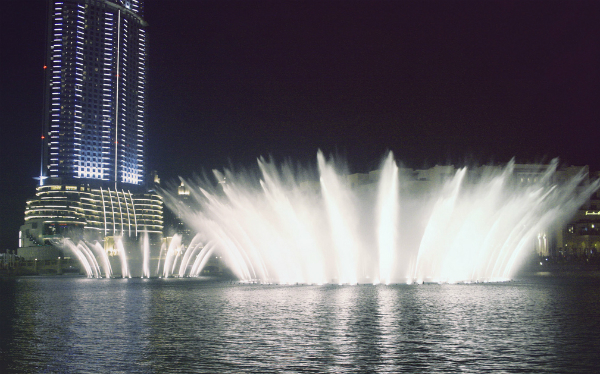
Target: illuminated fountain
(284, 225)
(95, 257)
(280, 227)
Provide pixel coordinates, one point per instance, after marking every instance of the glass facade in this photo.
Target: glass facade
(96, 92)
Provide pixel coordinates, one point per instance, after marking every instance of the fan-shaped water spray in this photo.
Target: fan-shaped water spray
(95, 259)
(284, 225)
(281, 226)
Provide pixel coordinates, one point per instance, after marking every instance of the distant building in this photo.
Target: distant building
(580, 238)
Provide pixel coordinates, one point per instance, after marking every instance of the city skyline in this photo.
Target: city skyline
(436, 82)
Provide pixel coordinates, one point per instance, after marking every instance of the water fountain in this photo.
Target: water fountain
(282, 226)
(278, 227)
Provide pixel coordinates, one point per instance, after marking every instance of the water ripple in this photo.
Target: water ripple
(66, 325)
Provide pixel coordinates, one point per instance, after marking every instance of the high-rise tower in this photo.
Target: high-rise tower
(92, 180)
(95, 99)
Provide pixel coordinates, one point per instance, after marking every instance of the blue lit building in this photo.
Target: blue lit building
(92, 183)
(95, 99)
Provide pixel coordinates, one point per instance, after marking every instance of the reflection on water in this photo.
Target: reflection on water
(188, 325)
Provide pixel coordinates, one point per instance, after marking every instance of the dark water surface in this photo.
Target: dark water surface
(77, 325)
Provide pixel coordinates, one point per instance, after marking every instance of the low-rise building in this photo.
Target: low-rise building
(82, 211)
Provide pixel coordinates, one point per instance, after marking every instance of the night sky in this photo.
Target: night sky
(436, 82)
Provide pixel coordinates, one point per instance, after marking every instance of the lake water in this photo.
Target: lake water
(78, 325)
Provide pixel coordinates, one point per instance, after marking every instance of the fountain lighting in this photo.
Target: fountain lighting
(91, 259)
(95, 259)
(286, 225)
(103, 256)
(123, 257)
(281, 226)
(171, 255)
(388, 218)
(145, 256)
(192, 249)
(76, 250)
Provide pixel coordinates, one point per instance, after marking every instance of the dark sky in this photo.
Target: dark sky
(434, 81)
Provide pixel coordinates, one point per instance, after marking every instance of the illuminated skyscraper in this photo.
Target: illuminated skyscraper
(92, 179)
(95, 99)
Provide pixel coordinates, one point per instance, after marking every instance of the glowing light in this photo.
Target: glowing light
(287, 228)
(454, 230)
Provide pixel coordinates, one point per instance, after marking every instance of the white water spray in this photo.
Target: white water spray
(284, 228)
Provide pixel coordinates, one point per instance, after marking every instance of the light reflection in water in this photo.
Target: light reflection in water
(187, 325)
(387, 301)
